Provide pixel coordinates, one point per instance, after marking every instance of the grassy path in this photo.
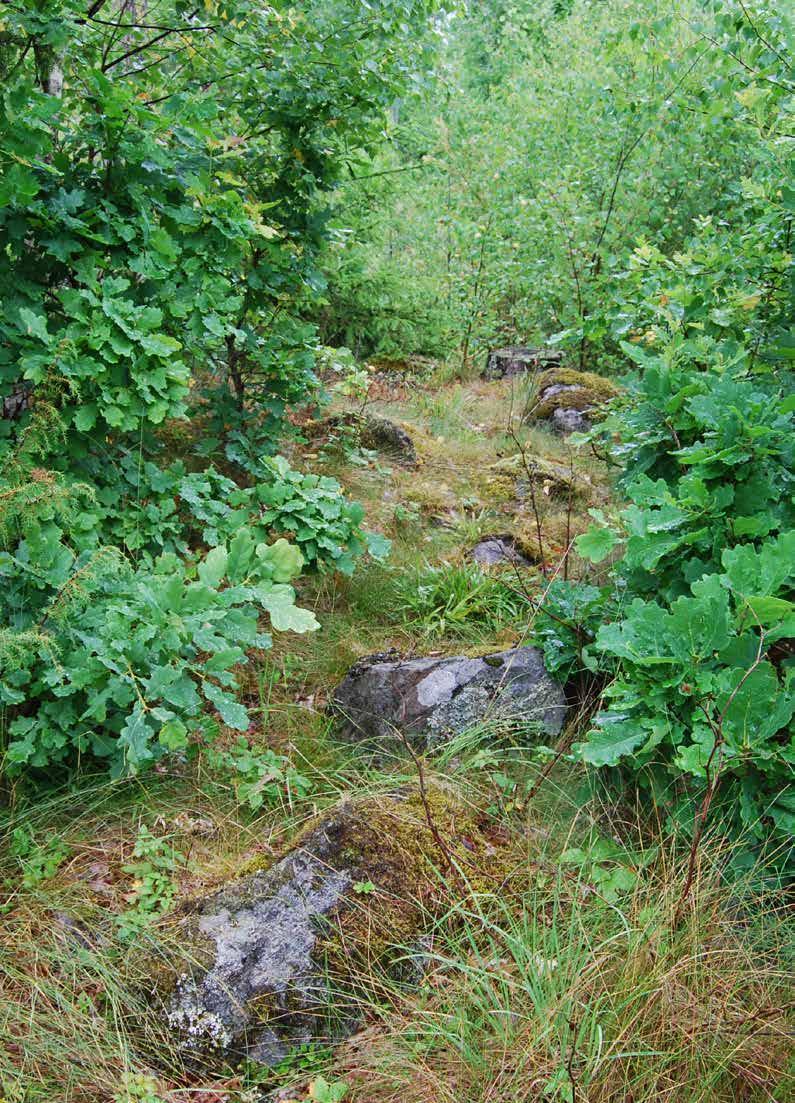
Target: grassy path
(563, 981)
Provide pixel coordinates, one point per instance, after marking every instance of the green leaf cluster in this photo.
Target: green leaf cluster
(692, 632)
(695, 630)
(104, 658)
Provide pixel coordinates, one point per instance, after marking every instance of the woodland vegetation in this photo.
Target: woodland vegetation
(248, 253)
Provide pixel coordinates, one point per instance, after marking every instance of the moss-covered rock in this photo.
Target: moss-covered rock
(276, 959)
(374, 432)
(569, 399)
(554, 480)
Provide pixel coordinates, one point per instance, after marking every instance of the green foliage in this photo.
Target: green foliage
(567, 623)
(302, 1061)
(609, 867)
(38, 861)
(147, 510)
(138, 1088)
(693, 634)
(312, 509)
(458, 599)
(326, 1091)
(153, 866)
(118, 661)
(259, 776)
(700, 616)
(148, 229)
(159, 224)
(557, 135)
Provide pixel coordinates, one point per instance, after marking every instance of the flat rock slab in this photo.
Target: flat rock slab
(251, 987)
(494, 550)
(267, 963)
(519, 359)
(431, 700)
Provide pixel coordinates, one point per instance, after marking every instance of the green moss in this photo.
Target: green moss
(390, 844)
(553, 479)
(593, 391)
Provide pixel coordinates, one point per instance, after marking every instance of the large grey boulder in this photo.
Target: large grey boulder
(430, 700)
(270, 962)
(519, 359)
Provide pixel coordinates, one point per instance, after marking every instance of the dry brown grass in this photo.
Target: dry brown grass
(633, 1010)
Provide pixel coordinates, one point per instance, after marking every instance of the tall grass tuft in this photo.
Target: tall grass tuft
(556, 994)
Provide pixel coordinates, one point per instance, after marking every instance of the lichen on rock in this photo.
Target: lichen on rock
(275, 960)
(429, 700)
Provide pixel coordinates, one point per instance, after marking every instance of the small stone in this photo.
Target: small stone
(569, 421)
(498, 549)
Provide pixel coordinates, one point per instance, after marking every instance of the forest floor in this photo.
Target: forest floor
(580, 989)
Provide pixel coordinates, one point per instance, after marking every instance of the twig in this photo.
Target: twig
(568, 518)
(570, 1060)
(442, 846)
(523, 454)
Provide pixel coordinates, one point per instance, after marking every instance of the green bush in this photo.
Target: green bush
(703, 691)
(100, 657)
(694, 631)
(314, 511)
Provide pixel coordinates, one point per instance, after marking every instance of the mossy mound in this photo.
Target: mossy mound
(554, 480)
(279, 958)
(567, 389)
(374, 432)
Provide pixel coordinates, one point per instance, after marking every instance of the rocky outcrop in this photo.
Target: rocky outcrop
(372, 431)
(430, 700)
(570, 400)
(517, 360)
(383, 435)
(271, 961)
(554, 480)
(493, 550)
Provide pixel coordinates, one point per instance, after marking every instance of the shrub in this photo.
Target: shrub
(702, 697)
(104, 658)
(325, 526)
(699, 613)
